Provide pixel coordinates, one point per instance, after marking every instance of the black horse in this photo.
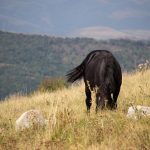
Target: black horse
(102, 73)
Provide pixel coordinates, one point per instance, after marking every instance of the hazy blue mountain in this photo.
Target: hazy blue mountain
(101, 19)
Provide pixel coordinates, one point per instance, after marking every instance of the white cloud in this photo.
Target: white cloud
(129, 13)
(104, 1)
(139, 34)
(100, 32)
(123, 14)
(46, 20)
(140, 1)
(16, 22)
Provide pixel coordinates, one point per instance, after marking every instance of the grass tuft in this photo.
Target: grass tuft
(69, 125)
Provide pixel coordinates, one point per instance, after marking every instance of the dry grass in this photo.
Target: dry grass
(71, 128)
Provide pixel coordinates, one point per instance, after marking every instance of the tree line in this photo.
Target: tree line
(26, 60)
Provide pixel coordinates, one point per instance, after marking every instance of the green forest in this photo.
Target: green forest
(26, 60)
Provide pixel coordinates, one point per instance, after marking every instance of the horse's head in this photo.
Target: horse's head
(103, 101)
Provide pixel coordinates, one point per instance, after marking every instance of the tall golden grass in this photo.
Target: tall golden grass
(69, 125)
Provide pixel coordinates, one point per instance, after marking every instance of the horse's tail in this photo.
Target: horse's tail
(76, 73)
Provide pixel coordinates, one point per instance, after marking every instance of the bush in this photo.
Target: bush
(52, 84)
(145, 66)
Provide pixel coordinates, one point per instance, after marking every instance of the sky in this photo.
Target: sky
(100, 19)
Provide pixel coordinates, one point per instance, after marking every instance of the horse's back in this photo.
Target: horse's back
(102, 68)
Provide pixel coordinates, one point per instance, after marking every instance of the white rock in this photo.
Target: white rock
(30, 118)
(138, 110)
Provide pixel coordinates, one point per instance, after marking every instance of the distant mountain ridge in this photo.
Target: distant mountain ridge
(25, 60)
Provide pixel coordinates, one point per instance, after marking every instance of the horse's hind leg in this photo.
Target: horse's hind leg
(115, 96)
(88, 98)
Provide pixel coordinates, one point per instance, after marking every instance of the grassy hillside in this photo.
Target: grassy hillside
(25, 60)
(74, 129)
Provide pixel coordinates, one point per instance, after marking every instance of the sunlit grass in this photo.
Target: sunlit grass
(73, 128)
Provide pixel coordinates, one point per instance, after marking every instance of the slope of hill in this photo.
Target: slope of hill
(74, 129)
(25, 60)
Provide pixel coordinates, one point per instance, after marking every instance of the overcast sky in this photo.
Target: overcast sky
(101, 19)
